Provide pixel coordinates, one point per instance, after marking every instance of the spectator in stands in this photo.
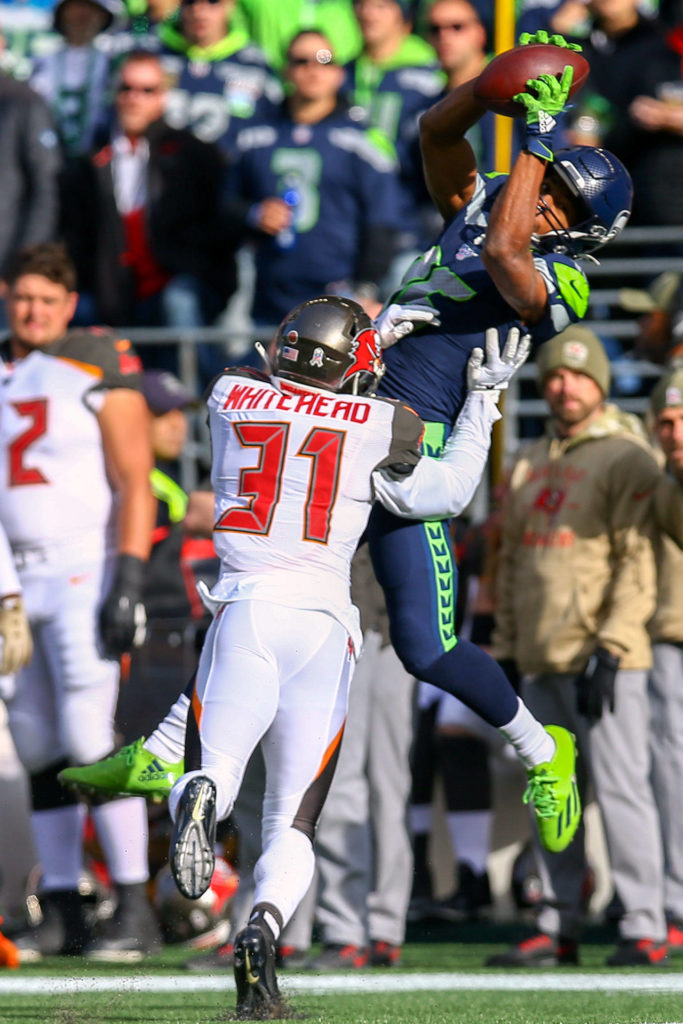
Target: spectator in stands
(319, 190)
(145, 15)
(272, 25)
(74, 79)
(140, 31)
(666, 632)
(141, 218)
(28, 170)
(220, 78)
(576, 588)
(394, 79)
(660, 325)
(633, 102)
(458, 36)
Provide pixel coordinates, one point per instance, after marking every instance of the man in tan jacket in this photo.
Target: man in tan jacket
(666, 632)
(577, 586)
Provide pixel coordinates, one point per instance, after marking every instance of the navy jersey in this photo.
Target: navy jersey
(427, 369)
(341, 182)
(393, 96)
(215, 96)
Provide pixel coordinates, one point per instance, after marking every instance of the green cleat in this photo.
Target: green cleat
(133, 771)
(554, 793)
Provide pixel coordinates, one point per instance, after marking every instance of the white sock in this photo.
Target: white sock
(168, 739)
(58, 835)
(526, 734)
(123, 832)
(471, 837)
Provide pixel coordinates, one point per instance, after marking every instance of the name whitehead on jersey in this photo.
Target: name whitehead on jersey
(245, 396)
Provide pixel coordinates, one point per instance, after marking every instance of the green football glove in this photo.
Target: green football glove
(526, 39)
(542, 110)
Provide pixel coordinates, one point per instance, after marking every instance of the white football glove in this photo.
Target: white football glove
(16, 643)
(394, 322)
(495, 374)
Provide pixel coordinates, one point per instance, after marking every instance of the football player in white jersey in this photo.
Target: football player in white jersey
(298, 458)
(76, 504)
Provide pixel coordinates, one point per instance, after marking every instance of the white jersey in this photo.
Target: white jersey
(291, 473)
(54, 491)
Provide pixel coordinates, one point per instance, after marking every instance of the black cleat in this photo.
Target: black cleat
(132, 933)
(258, 996)
(192, 854)
(472, 896)
(63, 930)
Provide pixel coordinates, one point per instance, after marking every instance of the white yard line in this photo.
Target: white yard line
(563, 981)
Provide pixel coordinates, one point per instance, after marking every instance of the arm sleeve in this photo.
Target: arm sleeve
(632, 593)
(443, 487)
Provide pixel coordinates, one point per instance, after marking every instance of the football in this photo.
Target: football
(508, 73)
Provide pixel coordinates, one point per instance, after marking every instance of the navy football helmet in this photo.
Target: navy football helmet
(602, 188)
(329, 342)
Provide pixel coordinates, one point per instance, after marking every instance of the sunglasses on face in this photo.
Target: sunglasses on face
(455, 26)
(191, 3)
(302, 62)
(148, 90)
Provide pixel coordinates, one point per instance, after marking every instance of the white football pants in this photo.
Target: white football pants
(278, 676)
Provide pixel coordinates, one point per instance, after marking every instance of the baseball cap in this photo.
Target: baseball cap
(163, 392)
(668, 391)
(114, 10)
(576, 348)
(662, 295)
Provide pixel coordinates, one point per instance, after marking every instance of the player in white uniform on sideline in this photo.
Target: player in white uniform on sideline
(75, 502)
(298, 458)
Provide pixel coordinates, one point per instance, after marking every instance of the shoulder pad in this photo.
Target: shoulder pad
(112, 357)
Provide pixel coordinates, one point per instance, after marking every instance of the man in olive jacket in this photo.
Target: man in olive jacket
(576, 588)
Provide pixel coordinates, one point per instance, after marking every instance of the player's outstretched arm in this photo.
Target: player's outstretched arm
(507, 249)
(443, 487)
(448, 159)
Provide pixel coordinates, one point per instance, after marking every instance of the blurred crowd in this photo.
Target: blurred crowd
(216, 162)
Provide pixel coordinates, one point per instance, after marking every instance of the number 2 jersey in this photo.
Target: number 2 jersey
(427, 369)
(291, 475)
(54, 489)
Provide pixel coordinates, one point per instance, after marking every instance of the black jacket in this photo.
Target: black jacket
(29, 164)
(186, 229)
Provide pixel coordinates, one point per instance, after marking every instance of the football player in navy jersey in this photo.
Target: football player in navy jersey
(507, 255)
(321, 190)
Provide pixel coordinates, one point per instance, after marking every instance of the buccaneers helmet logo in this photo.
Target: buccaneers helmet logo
(366, 350)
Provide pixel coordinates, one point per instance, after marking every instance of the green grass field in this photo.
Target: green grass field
(438, 983)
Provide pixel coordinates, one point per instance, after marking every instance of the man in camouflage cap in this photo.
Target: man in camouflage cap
(576, 588)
